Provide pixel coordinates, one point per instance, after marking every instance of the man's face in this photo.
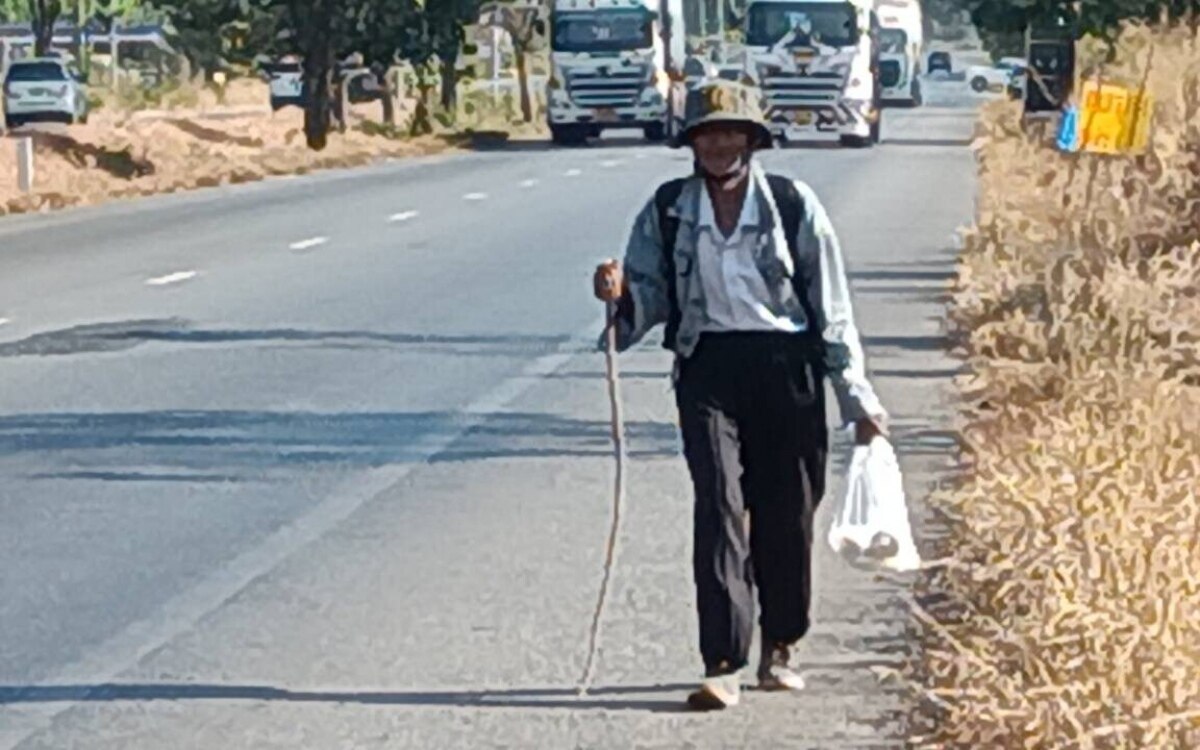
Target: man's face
(719, 147)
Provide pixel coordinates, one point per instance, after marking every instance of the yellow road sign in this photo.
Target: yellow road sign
(1114, 119)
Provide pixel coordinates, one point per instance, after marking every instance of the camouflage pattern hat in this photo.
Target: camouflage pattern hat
(719, 100)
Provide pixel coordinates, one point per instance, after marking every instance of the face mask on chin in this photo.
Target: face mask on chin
(732, 176)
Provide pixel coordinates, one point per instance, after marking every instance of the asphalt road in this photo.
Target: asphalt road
(324, 462)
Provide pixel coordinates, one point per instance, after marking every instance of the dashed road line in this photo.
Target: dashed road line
(573, 172)
(402, 216)
(475, 197)
(310, 242)
(171, 278)
(529, 183)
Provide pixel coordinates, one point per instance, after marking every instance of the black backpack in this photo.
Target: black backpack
(807, 281)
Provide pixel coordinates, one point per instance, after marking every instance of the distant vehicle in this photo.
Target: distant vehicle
(901, 39)
(1017, 85)
(44, 89)
(608, 66)
(939, 62)
(985, 78)
(817, 65)
(286, 81)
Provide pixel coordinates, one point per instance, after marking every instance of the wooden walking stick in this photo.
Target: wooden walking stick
(618, 436)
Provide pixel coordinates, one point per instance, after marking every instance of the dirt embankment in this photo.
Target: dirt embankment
(120, 154)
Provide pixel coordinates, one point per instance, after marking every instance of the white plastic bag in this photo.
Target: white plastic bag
(871, 528)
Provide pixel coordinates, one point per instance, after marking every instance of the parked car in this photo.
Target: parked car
(44, 89)
(286, 81)
(939, 62)
(985, 78)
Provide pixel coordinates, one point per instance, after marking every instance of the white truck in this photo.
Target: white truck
(610, 66)
(816, 62)
(901, 43)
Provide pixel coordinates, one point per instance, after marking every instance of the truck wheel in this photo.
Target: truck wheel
(918, 98)
(979, 84)
(655, 132)
(857, 141)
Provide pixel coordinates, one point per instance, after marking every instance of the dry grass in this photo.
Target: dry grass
(1068, 613)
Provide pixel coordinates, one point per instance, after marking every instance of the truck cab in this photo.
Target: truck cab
(817, 63)
(901, 40)
(609, 67)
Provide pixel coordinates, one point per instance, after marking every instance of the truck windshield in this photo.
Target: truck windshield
(892, 40)
(803, 23)
(602, 31)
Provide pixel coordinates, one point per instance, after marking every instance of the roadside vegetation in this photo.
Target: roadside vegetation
(1065, 608)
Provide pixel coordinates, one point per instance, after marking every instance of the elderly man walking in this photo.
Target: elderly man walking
(745, 271)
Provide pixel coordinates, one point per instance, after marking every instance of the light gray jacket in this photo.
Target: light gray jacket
(646, 275)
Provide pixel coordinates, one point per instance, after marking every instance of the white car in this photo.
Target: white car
(286, 81)
(44, 89)
(983, 78)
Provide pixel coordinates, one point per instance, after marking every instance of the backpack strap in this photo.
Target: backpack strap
(807, 278)
(668, 227)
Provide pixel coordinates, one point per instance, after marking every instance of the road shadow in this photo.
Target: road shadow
(929, 142)
(231, 446)
(496, 143)
(934, 374)
(602, 698)
(909, 442)
(125, 335)
(664, 375)
(901, 274)
(909, 343)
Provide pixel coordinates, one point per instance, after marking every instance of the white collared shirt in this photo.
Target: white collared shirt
(736, 295)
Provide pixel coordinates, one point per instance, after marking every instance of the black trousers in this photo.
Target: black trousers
(752, 412)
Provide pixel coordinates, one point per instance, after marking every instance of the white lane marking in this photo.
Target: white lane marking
(4, 321)
(310, 242)
(402, 216)
(610, 163)
(529, 183)
(639, 155)
(105, 661)
(475, 196)
(573, 172)
(171, 278)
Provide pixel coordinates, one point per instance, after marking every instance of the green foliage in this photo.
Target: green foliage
(214, 34)
(1002, 21)
(14, 10)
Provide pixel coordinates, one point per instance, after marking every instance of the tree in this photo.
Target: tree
(433, 36)
(204, 30)
(523, 21)
(448, 19)
(320, 32)
(44, 14)
(1002, 22)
